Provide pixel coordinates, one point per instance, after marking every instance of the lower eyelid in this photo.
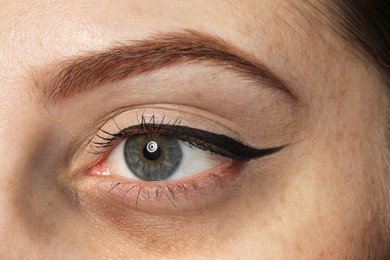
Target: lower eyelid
(185, 195)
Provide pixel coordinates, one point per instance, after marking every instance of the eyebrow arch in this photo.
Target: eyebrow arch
(85, 73)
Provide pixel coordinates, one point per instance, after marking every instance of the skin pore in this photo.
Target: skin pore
(324, 195)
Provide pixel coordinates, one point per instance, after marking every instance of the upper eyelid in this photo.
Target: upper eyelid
(234, 149)
(83, 145)
(82, 155)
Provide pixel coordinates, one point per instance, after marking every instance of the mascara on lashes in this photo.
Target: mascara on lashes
(216, 143)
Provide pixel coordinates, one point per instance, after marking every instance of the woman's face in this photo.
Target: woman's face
(234, 79)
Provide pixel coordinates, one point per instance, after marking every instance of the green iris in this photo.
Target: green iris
(153, 157)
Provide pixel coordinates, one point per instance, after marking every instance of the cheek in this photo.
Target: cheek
(320, 209)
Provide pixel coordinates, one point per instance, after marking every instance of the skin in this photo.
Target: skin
(323, 197)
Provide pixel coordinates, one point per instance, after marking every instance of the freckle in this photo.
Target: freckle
(299, 247)
(339, 136)
(278, 218)
(198, 95)
(282, 198)
(321, 255)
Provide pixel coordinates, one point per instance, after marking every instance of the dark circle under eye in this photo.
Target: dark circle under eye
(152, 157)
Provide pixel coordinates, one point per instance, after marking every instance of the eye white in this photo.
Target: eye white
(194, 161)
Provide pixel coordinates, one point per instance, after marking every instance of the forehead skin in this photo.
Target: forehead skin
(330, 206)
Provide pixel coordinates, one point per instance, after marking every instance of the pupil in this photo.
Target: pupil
(152, 151)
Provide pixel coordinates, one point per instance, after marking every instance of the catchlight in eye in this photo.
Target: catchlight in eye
(152, 157)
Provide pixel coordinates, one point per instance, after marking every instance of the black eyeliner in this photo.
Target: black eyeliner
(205, 140)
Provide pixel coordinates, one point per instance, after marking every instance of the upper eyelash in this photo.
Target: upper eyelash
(216, 143)
(143, 125)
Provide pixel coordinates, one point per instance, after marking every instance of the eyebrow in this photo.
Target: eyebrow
(82, 74)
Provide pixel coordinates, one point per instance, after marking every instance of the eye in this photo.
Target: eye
(152, 152)
(156, 167)
(154, 157)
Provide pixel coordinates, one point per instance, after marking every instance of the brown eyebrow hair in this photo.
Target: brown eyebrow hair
(81, 74)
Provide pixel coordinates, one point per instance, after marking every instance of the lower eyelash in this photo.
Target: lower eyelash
(176, 195)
